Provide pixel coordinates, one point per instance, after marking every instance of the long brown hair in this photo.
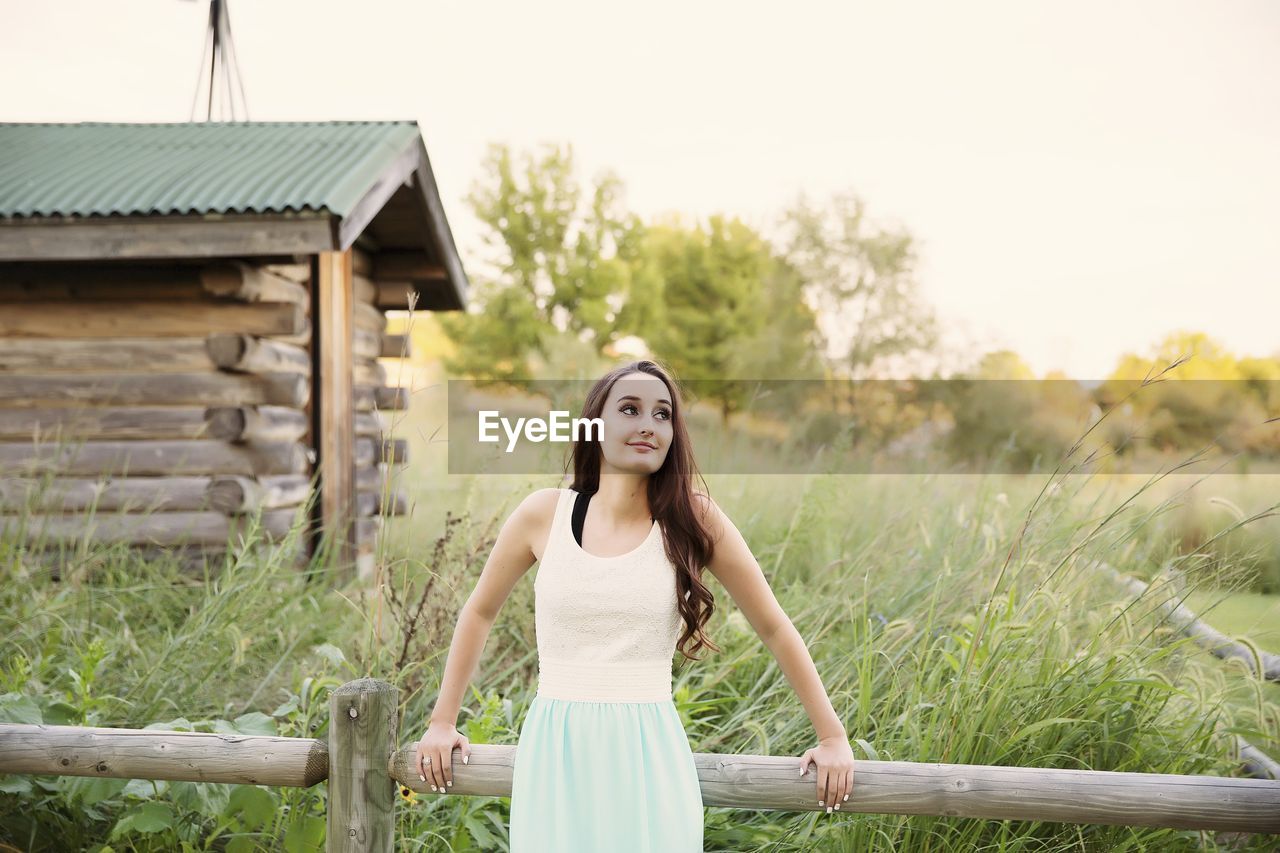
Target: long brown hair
(689, 543)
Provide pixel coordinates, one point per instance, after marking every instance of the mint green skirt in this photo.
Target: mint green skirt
(604, 776)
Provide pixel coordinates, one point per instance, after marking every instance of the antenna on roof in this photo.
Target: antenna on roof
(221, 61)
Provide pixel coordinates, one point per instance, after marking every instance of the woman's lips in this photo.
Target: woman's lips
(643, 448)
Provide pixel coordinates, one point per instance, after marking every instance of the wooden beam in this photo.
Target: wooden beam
(205, 236)
(136, 494)
(1263, 664)
(369, 373)
(134, 389)
(398, 266)
(244, 353)
(361, 802)
(397, 295)
(250, 494)
(366, 344)
(388, 397)
(376, 503)
(174, 756)
(159, 528)
(396, 346)
(361, 262)
(256, 423)
(142, 355)
(146, 282)
(333, 429)
(367, 529)
(247, 354)
(196, 564)
(298, 272)
(393, 451)
(302, 339)
(104, 422)
(946, 790)
(369, 318)
(757, 782)
(369, 478)
(227, 494)
(366, 453)
(152, 458)
(165, 318)
(369, 345)
(434, 296)
(367, 398)
(366, 290)
(237, 280)
(372, 424)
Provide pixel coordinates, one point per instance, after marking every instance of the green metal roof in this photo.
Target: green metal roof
(96, 190)
(103, 169)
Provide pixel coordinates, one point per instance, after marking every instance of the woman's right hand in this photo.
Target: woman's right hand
(435, 754)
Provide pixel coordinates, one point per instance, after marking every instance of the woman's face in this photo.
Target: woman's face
(637, 413)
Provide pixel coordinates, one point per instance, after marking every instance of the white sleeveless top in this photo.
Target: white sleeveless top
(606, 627)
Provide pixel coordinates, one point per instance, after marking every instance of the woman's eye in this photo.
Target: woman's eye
(632, 408)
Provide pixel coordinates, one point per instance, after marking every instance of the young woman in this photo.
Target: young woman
(603, 762)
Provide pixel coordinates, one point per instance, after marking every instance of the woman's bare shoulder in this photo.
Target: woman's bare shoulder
(540, 502)
(535, 515)
(711, 514)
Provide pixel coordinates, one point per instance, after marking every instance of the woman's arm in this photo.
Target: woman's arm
(511, 557)
(736, 568)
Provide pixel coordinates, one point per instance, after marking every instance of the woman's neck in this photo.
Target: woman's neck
(622, 499)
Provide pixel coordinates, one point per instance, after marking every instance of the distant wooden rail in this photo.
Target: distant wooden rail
(363, 725)
(1262, 663)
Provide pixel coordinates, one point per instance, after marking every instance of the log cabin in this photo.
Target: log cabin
(191, 321)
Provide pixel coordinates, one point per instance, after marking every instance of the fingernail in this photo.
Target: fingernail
(423, 778)
(846, 798)
(450, 783)
(828, 809)
(837, 807)
(464, 758)
(433, 787)
(821, 803)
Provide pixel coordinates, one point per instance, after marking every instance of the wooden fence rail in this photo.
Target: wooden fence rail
(363, 766)
(1262, 663)
(744, 781)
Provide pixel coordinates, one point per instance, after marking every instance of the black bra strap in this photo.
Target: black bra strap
(579, 518)
(580, 514)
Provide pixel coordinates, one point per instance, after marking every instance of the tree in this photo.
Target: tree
(560, 263)
(711, 296)
(724, 308)
(1173, 414)
(861, 281)
(1003, 364)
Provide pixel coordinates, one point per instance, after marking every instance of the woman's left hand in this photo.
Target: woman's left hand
(833, 758)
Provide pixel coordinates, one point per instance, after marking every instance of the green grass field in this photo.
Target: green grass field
(952, 619)
(1247, 614)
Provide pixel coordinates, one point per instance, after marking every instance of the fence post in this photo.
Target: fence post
(362, 796)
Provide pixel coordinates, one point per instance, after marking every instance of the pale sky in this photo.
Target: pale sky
(1081, 179)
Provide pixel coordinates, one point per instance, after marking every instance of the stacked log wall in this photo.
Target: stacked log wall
(168, 400)
(378, 399)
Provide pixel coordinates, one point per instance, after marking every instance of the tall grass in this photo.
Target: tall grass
(952, 618)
